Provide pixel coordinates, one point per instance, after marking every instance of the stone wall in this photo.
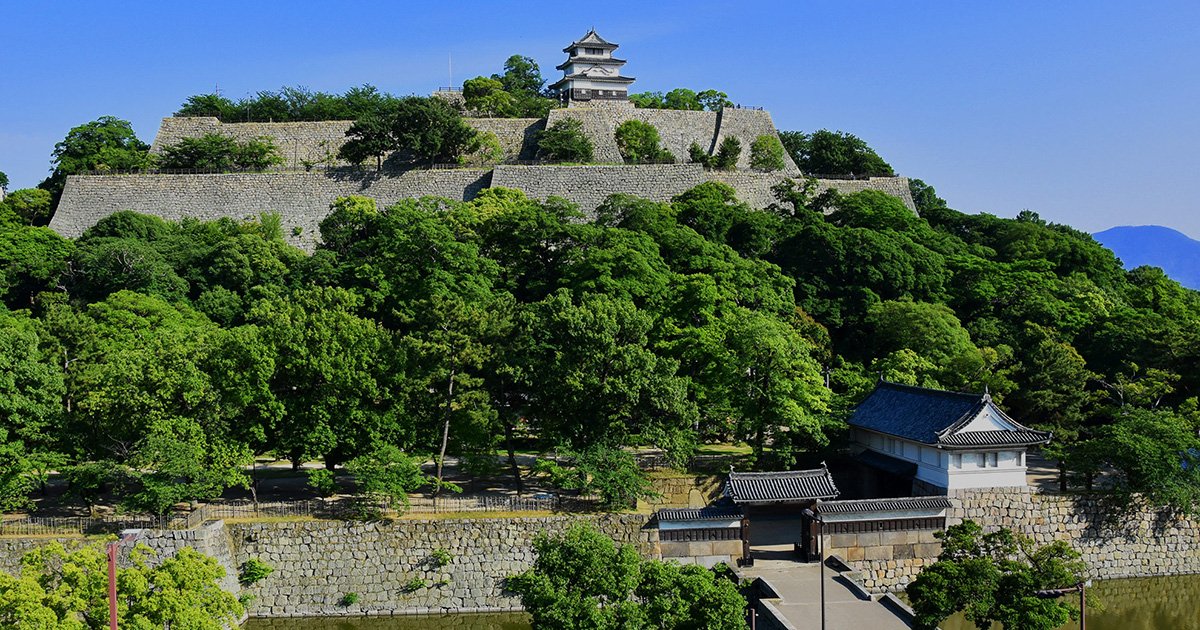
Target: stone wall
(518, 136)
(589, 186)
(317, 142)
(747, 125)
(1144, 542)
(317, 563)
(686, 491)
(754, 187)
(302, 199)
(298, 142)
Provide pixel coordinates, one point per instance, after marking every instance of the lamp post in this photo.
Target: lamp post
(126, 536)
(813, 515)
(1081, 588)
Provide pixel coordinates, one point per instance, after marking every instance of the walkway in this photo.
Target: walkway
(799, 584)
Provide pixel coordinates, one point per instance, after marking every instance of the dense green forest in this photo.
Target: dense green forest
(507, 323)
(158, 357)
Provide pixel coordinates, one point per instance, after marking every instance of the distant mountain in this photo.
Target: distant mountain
(1137, 245)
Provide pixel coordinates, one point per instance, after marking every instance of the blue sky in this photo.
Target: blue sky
(1085, 112)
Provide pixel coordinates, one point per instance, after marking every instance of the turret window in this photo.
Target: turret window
(593, 51)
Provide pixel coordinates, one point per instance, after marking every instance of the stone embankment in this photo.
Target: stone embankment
(1116, 541)
(302, 198)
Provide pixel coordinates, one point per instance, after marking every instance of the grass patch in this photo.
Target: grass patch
(272, 519)
(478, 516)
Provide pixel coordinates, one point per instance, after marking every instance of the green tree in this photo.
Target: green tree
(682, 98)
(521, 76)
(932, 332)
(31, 205)
(596, 379)
(386, 475)
(369, 137)
(639, 142)
(766, 153)
(336, 374)
(486, 95)
(992, 578)
(16, 481)
(713, 100)
(1155, 453)
(213, 105)
(219, 152)
(430, 129)
(107, 143)
(564, 141)
(728, 153)
(65, 587)
(581, 580)
(827, 152)
(177, 462)
(610, 472)
(3, 181)
(32, 260)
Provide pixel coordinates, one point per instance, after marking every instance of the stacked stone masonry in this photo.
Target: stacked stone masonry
(303, 144)
(302, 198)
(317, 563)
(1116, 541)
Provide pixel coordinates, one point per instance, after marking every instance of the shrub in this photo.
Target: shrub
(485, 150)
(349, 599)
(220, 152)
(322, 481)
(415, 584)
(766, 153)
(254, 570)
(728, 153)
(440, 558)
(639, 142)
(564, 142)
(385, 475)
(698, 155)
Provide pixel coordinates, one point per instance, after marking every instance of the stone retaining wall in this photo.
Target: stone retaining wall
(317, 563)
(1144, 542)
(690, 491)
(302, 198)
(298, 142)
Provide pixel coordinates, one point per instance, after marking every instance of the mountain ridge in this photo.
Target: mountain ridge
(1175, 252)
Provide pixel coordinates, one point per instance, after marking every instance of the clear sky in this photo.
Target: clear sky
(1086, 112)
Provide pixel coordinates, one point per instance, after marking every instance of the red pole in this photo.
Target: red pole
(112, 586)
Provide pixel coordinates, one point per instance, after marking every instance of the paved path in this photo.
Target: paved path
(799, 585)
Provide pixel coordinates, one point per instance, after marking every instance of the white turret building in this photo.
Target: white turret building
(941, 440)
(591, 75)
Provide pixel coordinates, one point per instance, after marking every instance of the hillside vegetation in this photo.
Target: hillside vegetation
(156, 357)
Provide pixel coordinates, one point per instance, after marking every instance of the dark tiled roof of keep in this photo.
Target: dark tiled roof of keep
(883, 505)
(995, 438)
(710, 513)
(591, 38)
(781, 487)
(932, 416)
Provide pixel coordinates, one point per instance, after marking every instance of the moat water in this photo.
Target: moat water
(1160, 603)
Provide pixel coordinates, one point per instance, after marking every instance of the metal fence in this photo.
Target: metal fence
(346, 507)
(75, 525)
